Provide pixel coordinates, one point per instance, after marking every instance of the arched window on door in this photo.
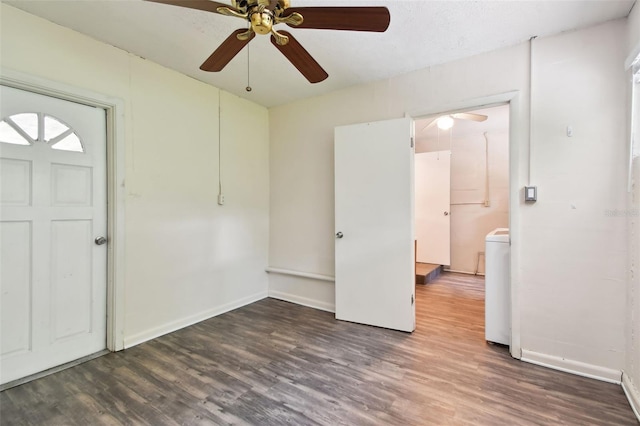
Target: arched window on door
(33, 127)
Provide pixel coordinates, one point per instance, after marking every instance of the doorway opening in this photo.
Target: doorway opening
(461, 196)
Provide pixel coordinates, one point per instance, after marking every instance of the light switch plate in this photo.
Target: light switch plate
(531, 193)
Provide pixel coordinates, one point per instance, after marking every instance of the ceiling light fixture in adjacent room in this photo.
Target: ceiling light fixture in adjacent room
(445, 122)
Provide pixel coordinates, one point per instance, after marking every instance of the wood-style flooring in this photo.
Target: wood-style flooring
(274, 363)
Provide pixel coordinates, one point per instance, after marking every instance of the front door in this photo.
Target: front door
(374, 224)
(52, 214)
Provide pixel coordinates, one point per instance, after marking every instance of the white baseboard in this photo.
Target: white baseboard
(574, 367)
(455, 271)
(632, 393)
(146, 335)
(304, 301)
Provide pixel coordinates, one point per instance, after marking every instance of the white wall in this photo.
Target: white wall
(574, 278)
(569, 262)
(186, 257)
(471, 220)
(633, 28)
(632, 364)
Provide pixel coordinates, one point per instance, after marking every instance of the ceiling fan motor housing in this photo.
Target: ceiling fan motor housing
(262, 22)
(245, 5)
(259, 14)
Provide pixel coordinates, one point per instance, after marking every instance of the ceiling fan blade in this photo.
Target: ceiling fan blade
(469, 116)
(301, 59)
(206, 5)
(430, 125)
(226, 51)
(374, 19)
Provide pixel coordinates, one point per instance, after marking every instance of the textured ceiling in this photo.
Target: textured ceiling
(421, 34)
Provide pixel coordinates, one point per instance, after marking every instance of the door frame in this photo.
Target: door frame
(114, 110)
(517, 139)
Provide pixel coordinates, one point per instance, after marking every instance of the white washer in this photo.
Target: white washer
(497, 299)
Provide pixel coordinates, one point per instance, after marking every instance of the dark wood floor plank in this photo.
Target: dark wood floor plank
(273, 363)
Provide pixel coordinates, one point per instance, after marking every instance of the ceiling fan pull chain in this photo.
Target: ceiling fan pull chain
(248, 88)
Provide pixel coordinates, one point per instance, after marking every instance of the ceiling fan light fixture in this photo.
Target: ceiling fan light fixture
(445, 122)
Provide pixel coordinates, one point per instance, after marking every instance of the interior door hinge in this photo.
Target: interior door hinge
(412, 300)
(411, 142)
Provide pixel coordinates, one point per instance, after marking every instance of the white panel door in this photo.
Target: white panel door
(433, 205)
(374, 224)
(52, 208)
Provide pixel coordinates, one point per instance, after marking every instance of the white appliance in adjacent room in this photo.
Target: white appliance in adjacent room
(497, 308)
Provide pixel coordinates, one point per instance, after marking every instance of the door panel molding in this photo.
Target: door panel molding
(114, 109)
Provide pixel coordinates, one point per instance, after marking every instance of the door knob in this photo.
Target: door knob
(446, 213)
(100, 241)
(339, 235)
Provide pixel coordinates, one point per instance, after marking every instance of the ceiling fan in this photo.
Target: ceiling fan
(446, 121)
(262, 15)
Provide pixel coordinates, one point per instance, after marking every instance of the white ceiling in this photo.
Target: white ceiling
(421, 34)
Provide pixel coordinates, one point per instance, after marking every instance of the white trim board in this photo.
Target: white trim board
(302, 288)
(172, 326)
(574, 367)
(114, 109)
(328, 306)
(304, 301)
(632, 393)
(311, 275)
